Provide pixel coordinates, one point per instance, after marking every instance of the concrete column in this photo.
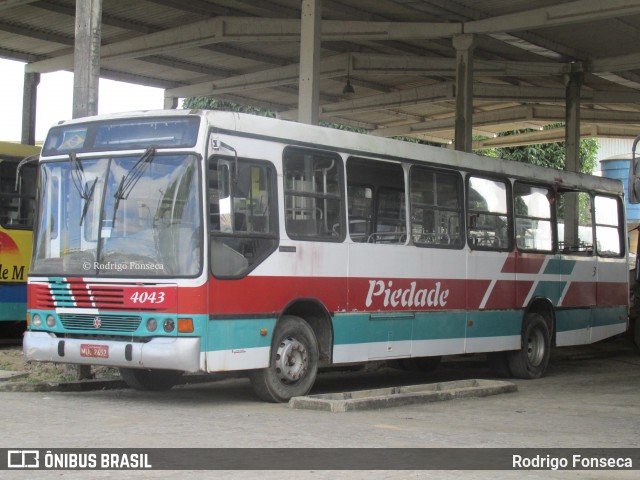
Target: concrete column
(310, 34)
(464, 45)
(86, 76)
(29, 103)
(170, 103)
(573, 85)
(86, 57)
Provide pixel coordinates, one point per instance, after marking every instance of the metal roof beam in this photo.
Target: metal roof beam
(8, 4)
(504, 116)
(245, 29)
(368, 64)
(413, 96)
(557, 135)
(580, 11)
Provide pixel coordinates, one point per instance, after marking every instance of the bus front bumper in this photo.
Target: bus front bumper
(168, 353)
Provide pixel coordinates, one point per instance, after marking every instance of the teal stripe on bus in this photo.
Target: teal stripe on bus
(362, 328)
(601, 317)
(13, 311)
(494, 323)
(550, 289)
(359, 328)
(574, 319)
(559, 266)
(238, 334)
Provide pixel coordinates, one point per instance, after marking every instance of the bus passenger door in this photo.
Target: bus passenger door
(610, 316)
(578, 268)
(493, 319)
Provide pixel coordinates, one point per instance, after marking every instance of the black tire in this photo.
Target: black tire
(532, 359)
(499, 364)
(420, 364)
(293, 363)
(150, 380)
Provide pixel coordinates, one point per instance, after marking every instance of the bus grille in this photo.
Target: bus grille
(116, 323)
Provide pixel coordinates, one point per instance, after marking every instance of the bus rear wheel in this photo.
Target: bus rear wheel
(293, 364)
(150, 380)
(532, 359)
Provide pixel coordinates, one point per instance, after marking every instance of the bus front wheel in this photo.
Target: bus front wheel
(293, 363)
(150, 380)
(533, 357)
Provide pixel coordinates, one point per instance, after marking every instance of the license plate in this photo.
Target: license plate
(95, 351)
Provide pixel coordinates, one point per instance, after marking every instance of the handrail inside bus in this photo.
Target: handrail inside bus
(23, 162)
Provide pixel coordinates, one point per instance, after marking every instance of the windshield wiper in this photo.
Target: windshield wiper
(77, 178)
(129, 180)
(87, 200)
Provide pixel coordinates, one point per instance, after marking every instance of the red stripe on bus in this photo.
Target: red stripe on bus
(523, 263)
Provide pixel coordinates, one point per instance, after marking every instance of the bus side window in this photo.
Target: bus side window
(533, 217)
(360, 204)
(608, 236)
(574, 222)
(488, 213)
(377, 210)
(313, 195)
(436, 208)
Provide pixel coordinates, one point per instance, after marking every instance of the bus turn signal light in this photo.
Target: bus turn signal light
(185, 325)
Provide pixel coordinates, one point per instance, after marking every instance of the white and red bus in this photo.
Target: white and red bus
(194, 241)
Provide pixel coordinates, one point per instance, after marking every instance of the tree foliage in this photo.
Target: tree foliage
(548, 154)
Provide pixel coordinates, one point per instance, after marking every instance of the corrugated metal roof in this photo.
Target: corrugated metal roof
(399, 91)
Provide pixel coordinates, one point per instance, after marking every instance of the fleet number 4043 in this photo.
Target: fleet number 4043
(147, 297)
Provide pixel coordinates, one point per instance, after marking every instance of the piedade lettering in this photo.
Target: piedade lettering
(406, 297)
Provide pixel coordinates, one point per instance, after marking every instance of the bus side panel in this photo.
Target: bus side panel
(578, 299)
(610, 317)
(15, 257)
(404, 301)
(244, 312)
(494, 316)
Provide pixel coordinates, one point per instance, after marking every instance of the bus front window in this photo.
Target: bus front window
(118, 217)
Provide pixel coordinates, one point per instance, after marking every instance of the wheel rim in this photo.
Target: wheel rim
(535, 348)
(292, 360)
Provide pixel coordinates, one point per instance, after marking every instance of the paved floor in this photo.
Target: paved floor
(589, 398)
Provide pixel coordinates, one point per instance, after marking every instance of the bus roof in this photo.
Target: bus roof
(12, 149)
(359, 144)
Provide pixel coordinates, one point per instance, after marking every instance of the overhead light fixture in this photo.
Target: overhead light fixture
(348, 88)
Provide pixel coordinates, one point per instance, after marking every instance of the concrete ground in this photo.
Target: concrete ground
(590, 397)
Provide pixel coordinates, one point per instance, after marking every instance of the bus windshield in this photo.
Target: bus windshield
(135, 215)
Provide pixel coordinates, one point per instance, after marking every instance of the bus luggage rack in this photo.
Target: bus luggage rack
(116, 323)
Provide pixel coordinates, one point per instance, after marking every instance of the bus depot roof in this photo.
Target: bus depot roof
(398, 56)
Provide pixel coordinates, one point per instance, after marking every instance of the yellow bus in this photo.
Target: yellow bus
(17, 203)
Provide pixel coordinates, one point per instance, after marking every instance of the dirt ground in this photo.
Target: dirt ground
(12, 359)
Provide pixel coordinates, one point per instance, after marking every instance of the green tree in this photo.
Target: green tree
(547, 154)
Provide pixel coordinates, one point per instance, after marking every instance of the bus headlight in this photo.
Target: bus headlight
(51, 321)
(36, 321)
(152, 324)
(169, 325)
